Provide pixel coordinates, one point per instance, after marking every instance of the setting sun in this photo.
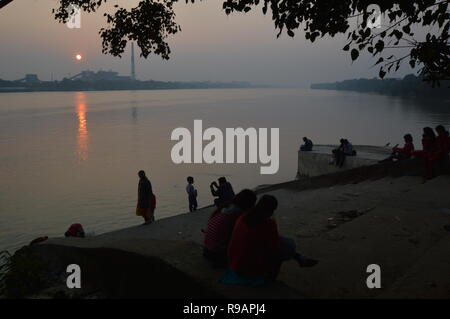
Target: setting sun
(79, 57)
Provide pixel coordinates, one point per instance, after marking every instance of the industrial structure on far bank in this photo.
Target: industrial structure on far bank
(107, 80)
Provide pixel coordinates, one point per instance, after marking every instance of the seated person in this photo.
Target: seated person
(344, 150)
(402, 153)
(336, 151)
(224, 191)
(307, 146)
(75, 230)
(256, 250)
(221, 224)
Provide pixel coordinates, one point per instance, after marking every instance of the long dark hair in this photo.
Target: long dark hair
(428, 132)
(441, 129)
(245, 200)
(263, 210)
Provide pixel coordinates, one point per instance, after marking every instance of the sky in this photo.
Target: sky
(211, 47)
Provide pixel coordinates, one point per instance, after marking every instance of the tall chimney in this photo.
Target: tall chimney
(133, 70)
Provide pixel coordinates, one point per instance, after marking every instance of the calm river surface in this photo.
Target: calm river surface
(70, 157)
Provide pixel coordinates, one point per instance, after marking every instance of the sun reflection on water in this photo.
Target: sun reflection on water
(83, 134)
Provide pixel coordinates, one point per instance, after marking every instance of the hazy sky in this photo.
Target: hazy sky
(211, 46)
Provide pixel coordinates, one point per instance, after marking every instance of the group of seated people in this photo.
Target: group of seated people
(243, 237)
(339, 154)
(435, 149)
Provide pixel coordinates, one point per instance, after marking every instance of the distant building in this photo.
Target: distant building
(91, 76)
(30, 79)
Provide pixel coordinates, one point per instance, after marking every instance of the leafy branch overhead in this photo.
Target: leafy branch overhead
(152, 21)
(149, 24)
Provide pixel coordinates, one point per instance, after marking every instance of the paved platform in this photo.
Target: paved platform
(317, 162)
(399, 226)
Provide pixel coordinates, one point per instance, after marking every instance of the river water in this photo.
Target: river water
(70, 157)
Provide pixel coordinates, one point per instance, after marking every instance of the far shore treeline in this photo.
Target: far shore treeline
(410, 85)
(106, 85)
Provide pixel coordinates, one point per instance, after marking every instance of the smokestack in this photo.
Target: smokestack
(133, 70)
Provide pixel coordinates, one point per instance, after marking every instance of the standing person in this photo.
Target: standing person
(146, 200)
(428, 143)
(192, 194)
(221, 224)
(307, 146)
(442, 142)
(224, 191)
(428, 140)
(440, 156)
(256, 250)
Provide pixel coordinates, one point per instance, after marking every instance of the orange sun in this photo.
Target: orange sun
(79, 57)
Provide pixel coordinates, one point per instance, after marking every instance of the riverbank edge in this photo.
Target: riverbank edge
(167, 258)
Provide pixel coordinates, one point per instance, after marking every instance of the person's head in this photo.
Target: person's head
(305, 139)
(408, 138)
(190, 180)
(75, 230)
(263, 210)
(428, 132)
(222, 180)
(141, 174)
(342, 141)
(440, 129)
(245, 199)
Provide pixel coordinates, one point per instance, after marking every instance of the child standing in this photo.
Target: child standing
(192, 194)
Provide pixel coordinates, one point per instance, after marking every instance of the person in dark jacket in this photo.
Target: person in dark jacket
(307, 146)
(224, 191)
(192, 194)
(145, 207)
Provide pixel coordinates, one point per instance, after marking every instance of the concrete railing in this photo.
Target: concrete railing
(317, 162)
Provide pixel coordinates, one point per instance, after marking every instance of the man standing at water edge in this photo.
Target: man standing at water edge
(145, 194)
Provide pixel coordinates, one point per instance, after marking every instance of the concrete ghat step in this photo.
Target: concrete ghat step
(396, 239)
(316, 162)
(150, 269)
